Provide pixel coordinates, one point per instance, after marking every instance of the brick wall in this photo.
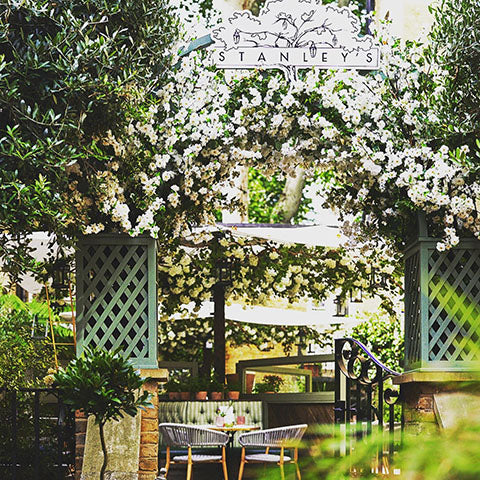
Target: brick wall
(148, 460)
(80, 434)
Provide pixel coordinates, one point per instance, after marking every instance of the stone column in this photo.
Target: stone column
(435, 400)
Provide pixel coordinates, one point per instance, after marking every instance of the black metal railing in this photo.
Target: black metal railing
(366, 403)
(37, 435)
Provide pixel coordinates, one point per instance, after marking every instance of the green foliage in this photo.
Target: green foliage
(216, 385)
(24, 361)
(199, 384)
(264, 193)
(271, 383)
(446, 455)
(102, 384)
(172, 385)
(454, 43)
(186, 339)
(69, 72)
(383, 336)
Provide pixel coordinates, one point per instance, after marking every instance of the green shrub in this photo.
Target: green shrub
(24, 360)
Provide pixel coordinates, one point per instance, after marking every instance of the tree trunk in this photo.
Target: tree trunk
(104, 450)
(287, 206)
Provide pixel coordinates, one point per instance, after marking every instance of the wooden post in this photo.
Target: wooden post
(219, 331)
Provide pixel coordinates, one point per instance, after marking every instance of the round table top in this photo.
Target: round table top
(233, 428)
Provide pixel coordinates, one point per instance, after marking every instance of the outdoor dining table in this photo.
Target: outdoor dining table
(231, 430)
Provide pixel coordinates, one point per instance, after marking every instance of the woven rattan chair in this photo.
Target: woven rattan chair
(188, 436)
(282, 438)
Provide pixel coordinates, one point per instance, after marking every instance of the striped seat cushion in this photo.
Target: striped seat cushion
(198, 458)
(266, 457)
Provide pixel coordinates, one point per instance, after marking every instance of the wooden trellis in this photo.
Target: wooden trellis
(117, 296)
(442, 306)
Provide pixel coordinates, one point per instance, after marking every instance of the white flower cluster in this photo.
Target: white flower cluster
(373, 133)
(266, 273)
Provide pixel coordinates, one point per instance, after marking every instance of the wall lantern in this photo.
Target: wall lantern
(223, 272)
(301, 343)
(378, 280)
(342, 307)
(61, 270)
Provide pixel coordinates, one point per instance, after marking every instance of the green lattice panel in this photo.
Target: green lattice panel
(454, 305)
(442, 306)
(117, 297)
(412, 309)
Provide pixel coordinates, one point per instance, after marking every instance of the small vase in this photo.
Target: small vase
(201, 395)
(217, 396)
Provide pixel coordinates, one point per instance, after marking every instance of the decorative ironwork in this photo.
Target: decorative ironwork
(442, 306)
(37, 439)
(117, 297)
(362, 400)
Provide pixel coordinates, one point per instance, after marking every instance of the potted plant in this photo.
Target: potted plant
(233, 391)
(262, 387)
(270, 384)
(200, 388)
(185, 387)
(105, 385)
(172, 387)
(216, 389)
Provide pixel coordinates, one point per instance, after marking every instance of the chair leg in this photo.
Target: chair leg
(295, 460)
(299, 477)
(282, 472)
(189, 464)
(242, 464)
(167, 464)
(224, 464)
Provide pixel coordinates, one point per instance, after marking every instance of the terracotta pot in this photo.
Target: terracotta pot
(184, 395)
(217, 396)
(201, 395)
(233, 395)
(249, 380)
(174, 395)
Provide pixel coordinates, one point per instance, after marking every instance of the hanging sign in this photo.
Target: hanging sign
(293, 34)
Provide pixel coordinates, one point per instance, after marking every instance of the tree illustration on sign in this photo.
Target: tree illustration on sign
(303, 24)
